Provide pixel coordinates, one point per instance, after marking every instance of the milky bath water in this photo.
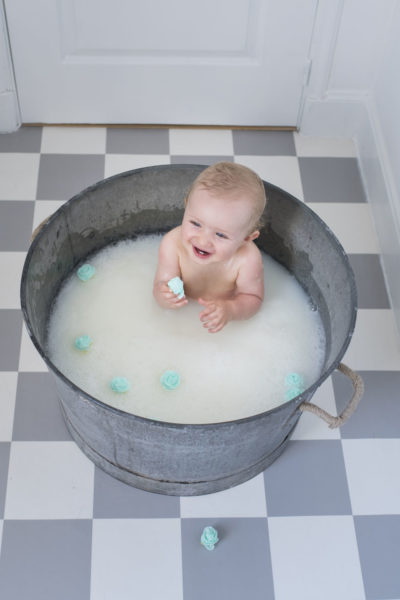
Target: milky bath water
(235, 373)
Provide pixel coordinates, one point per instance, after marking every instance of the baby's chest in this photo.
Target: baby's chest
(208, 284)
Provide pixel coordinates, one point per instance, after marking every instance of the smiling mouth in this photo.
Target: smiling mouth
(200, 253)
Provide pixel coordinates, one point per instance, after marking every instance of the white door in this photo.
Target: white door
(224, 62)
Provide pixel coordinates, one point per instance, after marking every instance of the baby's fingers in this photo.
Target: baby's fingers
(173, 300)
(213, 325)
(207, 313)
(178, 302)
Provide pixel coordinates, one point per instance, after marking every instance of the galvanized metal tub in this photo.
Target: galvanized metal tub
(183, 459)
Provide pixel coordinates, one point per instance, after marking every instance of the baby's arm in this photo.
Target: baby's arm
(168, 267)
(244, 304)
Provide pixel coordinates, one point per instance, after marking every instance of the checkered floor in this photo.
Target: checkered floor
(323, 522)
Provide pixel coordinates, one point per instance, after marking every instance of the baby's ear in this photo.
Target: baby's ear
(252, 236)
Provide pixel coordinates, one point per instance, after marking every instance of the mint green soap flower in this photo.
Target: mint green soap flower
(209, 538)
(83, 342)
(170, 380)
(294, 380)
(176, 286)
(293, 392)
(86, 272)
(120, 385)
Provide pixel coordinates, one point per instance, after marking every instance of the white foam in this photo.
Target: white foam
(235, 373)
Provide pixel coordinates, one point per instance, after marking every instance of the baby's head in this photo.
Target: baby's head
(234, 183)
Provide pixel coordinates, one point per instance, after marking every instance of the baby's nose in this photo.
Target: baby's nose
(205, 240)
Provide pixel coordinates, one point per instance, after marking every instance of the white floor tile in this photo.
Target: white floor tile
(282, 171)
(11, 264)
(119, 163)
(330, 147)
(315, 558)
(136, 558)
(351, 223)
(201, 142)
(49, 480)
(310, 427)
(373, 475)
(70, 140)
(375, 343)
(18, 176)
(29, 357)
(43, 210)
(8, 387)
(245, 500)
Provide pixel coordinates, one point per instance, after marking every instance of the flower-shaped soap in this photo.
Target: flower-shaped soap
(294, 379)
(86, 272)
(176, 286)
(293, 392)
(120, 385)
(294, 386)
(170, 380)
(209, 538)
(83, 342)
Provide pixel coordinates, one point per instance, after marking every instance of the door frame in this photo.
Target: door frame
(10, 114)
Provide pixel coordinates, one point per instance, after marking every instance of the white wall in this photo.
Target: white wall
(354, 91)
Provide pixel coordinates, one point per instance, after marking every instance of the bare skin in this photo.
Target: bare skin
(216, 258)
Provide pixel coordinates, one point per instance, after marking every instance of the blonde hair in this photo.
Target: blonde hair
(230, 180)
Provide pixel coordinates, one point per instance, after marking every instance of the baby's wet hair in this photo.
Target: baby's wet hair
(228, 179)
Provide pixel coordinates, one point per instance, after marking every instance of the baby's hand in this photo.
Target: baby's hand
(167, 298)
(215, 314)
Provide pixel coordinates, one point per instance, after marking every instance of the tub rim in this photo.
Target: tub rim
(295, 402)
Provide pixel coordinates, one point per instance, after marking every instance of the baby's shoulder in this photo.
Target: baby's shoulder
(249, 253)
(171, 238)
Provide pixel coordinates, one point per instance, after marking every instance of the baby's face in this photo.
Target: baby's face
(214, 228)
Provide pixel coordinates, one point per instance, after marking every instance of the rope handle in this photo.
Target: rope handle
(332, 421)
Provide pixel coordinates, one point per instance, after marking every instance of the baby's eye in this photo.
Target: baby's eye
(222, 235)
(195, 223)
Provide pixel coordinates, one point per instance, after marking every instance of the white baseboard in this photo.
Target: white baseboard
(383, 197)
(350, 115)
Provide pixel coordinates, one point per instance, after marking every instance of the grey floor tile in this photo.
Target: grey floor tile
(378, 543)
(61, 176)
(264, 143)
(37, 412)
(331, 180)
(114, 499)
(10, 339)
(4, 458)
(308, 479)
(46, 560)
(371, 287)
(238, 567)
(137, 141)
(26, 139)
(199, 160)
(16, 220)
(378, 414)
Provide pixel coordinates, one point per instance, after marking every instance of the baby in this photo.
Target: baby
(213, 251)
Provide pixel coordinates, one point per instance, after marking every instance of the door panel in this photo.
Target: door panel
(225, 62)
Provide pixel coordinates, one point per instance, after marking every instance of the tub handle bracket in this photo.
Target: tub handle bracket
(333, 421)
